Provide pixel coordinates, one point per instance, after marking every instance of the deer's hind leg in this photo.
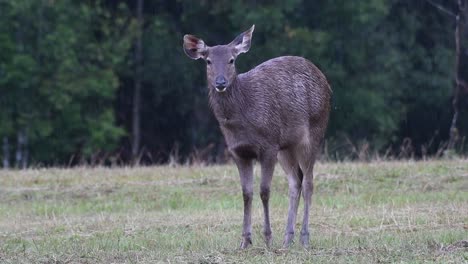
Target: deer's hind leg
(306, 157)
(288, 162)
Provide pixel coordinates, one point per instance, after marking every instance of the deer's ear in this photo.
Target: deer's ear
(241, 43)
(194, 47)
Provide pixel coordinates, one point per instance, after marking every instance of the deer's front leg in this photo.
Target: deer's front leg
(245, 168)
(268, 166)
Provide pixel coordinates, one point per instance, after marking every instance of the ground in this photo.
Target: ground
(377, 212)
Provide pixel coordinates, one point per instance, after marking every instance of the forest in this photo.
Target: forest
(107, 82)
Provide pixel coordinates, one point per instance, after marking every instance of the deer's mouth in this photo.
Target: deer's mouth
(220, 89)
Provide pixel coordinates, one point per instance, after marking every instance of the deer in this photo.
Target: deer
(277, 111)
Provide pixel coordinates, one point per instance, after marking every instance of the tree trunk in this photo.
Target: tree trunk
(459, 83)
(136, 132)
(6, 153)
(24, 163)
(21, 159)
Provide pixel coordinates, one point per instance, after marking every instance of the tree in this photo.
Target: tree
(60, 77)
(136, 134)
(460, 16)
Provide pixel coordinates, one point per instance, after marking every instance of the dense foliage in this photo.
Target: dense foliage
(67, 72)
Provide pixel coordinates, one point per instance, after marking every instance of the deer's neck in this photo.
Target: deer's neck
(227, 106)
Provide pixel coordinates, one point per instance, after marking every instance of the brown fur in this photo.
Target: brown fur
(278, 110)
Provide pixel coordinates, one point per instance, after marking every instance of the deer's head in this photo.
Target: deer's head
(220, 60)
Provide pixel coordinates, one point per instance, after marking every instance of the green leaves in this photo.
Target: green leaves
(60, 78)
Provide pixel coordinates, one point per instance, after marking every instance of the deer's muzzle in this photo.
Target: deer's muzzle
(220, 83)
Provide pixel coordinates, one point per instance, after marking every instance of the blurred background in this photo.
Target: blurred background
(107, 82)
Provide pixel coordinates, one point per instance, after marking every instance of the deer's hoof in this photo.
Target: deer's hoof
(246, 242)
(305, 240)
(268, 240)
(288, 240)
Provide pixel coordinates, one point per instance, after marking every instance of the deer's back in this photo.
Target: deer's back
(288, 89)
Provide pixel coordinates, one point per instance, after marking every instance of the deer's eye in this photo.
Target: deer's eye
(208, 61)
(231, 61)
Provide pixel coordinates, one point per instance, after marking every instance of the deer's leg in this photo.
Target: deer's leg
(291, 168)
(245, 168)
(307, 166)
(268, 166)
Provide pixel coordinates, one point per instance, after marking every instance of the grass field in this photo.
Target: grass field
(380, 212)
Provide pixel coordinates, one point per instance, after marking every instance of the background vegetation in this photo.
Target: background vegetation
(69, 72)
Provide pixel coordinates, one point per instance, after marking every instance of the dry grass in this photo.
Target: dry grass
(406, 212)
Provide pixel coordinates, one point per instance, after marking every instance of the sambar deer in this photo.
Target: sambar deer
(276, 111)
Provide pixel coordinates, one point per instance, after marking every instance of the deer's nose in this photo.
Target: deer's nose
(221, 82)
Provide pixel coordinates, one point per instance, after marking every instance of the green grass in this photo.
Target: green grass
(380, 212)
